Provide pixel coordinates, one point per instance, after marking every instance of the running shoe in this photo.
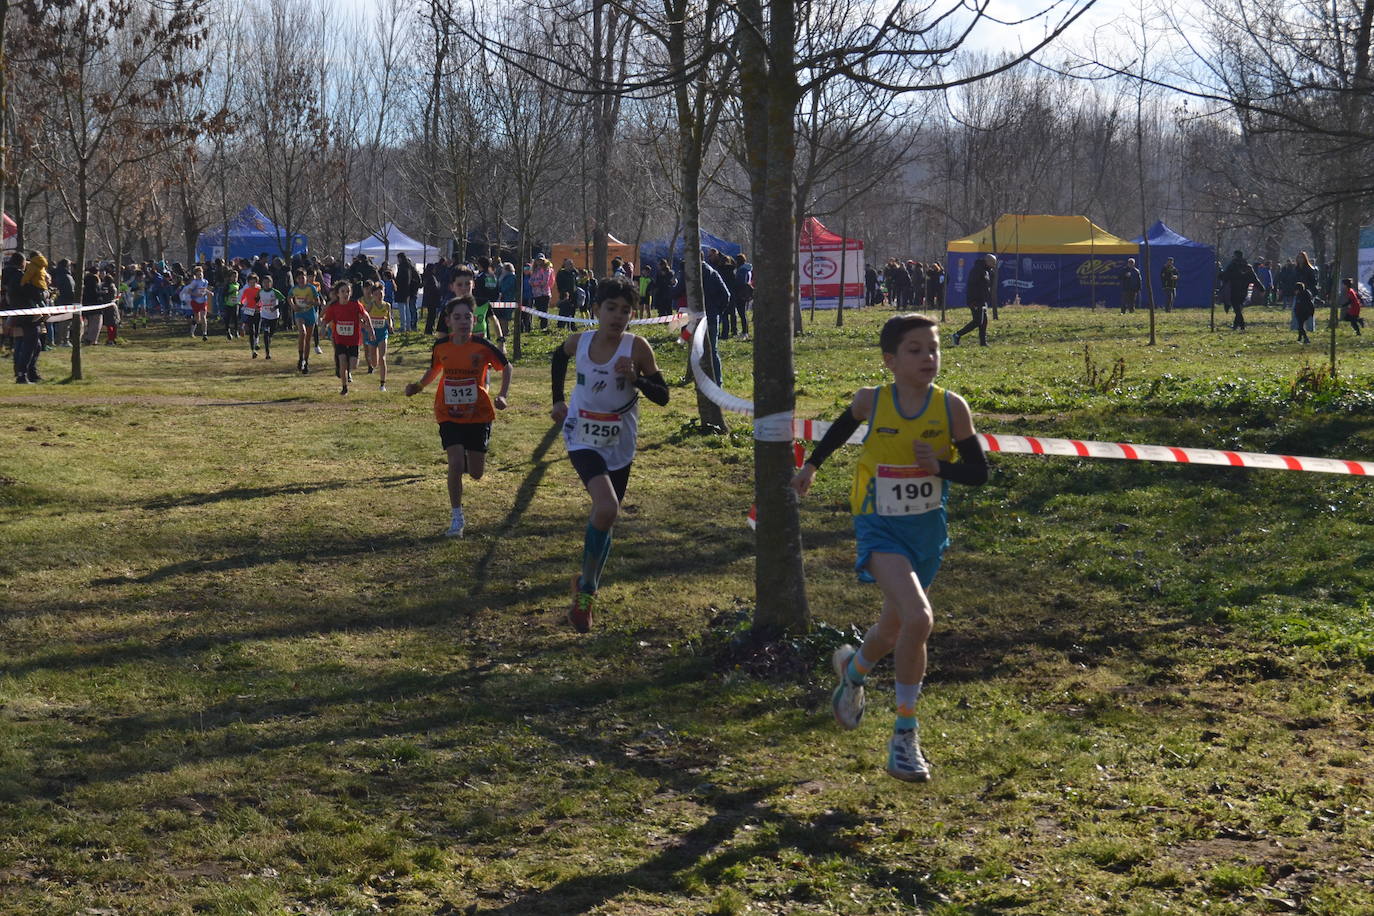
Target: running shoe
(383, 386)
(255, 354)
(318, 350)
(904, 760)
(370, 369)
(847, 702)
(580, 614)
(956, 338)
(343, 390)
(205, 337)
(455, 530)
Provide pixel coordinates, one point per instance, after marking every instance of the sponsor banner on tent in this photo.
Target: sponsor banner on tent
(1059, 280)
(820, 277)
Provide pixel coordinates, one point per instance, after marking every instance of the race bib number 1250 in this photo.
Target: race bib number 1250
(598, 430)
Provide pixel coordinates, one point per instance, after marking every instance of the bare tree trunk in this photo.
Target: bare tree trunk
(769, 95)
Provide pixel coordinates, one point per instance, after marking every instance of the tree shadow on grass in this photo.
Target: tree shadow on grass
(211, 497)
(524, 496)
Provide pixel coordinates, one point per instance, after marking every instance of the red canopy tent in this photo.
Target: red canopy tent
(820, 255)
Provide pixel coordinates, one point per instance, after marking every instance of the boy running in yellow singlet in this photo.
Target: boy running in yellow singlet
(901, 486)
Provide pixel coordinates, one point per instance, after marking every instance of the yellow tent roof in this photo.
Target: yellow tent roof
(1034, 233)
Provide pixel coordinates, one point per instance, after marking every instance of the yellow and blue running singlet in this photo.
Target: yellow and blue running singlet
(899, 507)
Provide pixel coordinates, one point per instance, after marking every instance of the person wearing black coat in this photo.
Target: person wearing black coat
(1239, 276)
(664, 282)
(1130, 286)
(430, 284)
(64, 293)
(407, 290)
(982, 287)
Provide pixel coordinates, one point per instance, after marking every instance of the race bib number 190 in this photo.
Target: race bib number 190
(598, 430)
(907, 490)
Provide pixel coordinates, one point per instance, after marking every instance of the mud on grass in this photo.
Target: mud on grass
(243, 673)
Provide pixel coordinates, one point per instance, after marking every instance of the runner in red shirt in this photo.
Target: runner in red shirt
(463, 405)
(350, 323)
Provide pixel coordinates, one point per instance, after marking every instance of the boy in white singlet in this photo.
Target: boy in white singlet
(601, 423)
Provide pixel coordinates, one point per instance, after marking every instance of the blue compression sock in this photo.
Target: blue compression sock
(596, 549)
(907, 695)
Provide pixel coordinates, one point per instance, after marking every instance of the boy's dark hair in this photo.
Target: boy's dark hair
(463, 272)
(617, 288)
(896, 327)
(470, 302)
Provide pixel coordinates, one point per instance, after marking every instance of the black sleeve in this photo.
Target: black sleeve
(838, 434)
(972, 466)
(560, 372)
(654, 388)
(496, 354)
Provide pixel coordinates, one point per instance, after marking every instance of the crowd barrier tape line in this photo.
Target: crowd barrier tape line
(54, 312)
(679, 319)
(782, 427)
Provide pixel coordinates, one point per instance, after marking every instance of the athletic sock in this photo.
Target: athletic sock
(858, 668)
(907, 695)
(596, 548)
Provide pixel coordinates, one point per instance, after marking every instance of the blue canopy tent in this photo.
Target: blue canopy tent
(651, 252)
(250, 234)
(1196, 263)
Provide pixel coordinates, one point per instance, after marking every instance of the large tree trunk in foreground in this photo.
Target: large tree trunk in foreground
(769, 92)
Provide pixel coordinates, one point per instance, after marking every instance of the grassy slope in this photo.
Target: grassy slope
(240, 673)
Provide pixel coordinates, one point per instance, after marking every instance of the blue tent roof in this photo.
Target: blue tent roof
(250, 233)
(1161, 234)
(650, 252)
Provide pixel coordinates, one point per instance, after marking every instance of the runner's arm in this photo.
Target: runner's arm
(972, 466)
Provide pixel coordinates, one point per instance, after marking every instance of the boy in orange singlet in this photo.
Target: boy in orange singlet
(463, 406)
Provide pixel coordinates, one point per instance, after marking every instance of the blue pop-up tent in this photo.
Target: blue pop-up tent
(1196, 263)
(651, 252)
(250, 234)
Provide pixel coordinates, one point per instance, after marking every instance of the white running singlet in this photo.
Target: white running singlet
(603, 413)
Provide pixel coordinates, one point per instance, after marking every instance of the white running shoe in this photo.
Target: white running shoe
(847, 701)
(904, 760)
(456, 529)
(318, 350)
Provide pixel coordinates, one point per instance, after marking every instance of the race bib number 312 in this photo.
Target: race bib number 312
(460, 393)
(907, 490)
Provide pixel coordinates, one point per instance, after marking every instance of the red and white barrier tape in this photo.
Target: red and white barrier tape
(54, 312)
(783, 427)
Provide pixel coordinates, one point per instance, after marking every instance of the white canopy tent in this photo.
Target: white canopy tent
(389, 242)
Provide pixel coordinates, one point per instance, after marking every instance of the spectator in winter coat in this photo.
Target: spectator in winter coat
(1239, 277)
(1130, 286)
(1168, 281)
(935, 286)
(982, 287)
(665, 281)
(408, 286)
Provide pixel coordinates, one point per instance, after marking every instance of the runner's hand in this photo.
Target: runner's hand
(499, 402)
(559, 412)
(626, 366)
(925, 456)
(801, 481)
(412, 389)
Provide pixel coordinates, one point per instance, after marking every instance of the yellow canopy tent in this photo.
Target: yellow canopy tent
(1043, 234)
(1045, 259)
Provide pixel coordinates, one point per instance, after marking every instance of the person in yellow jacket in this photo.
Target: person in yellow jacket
(919, 439)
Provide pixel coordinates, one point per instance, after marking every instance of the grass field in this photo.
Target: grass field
(240, 672)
